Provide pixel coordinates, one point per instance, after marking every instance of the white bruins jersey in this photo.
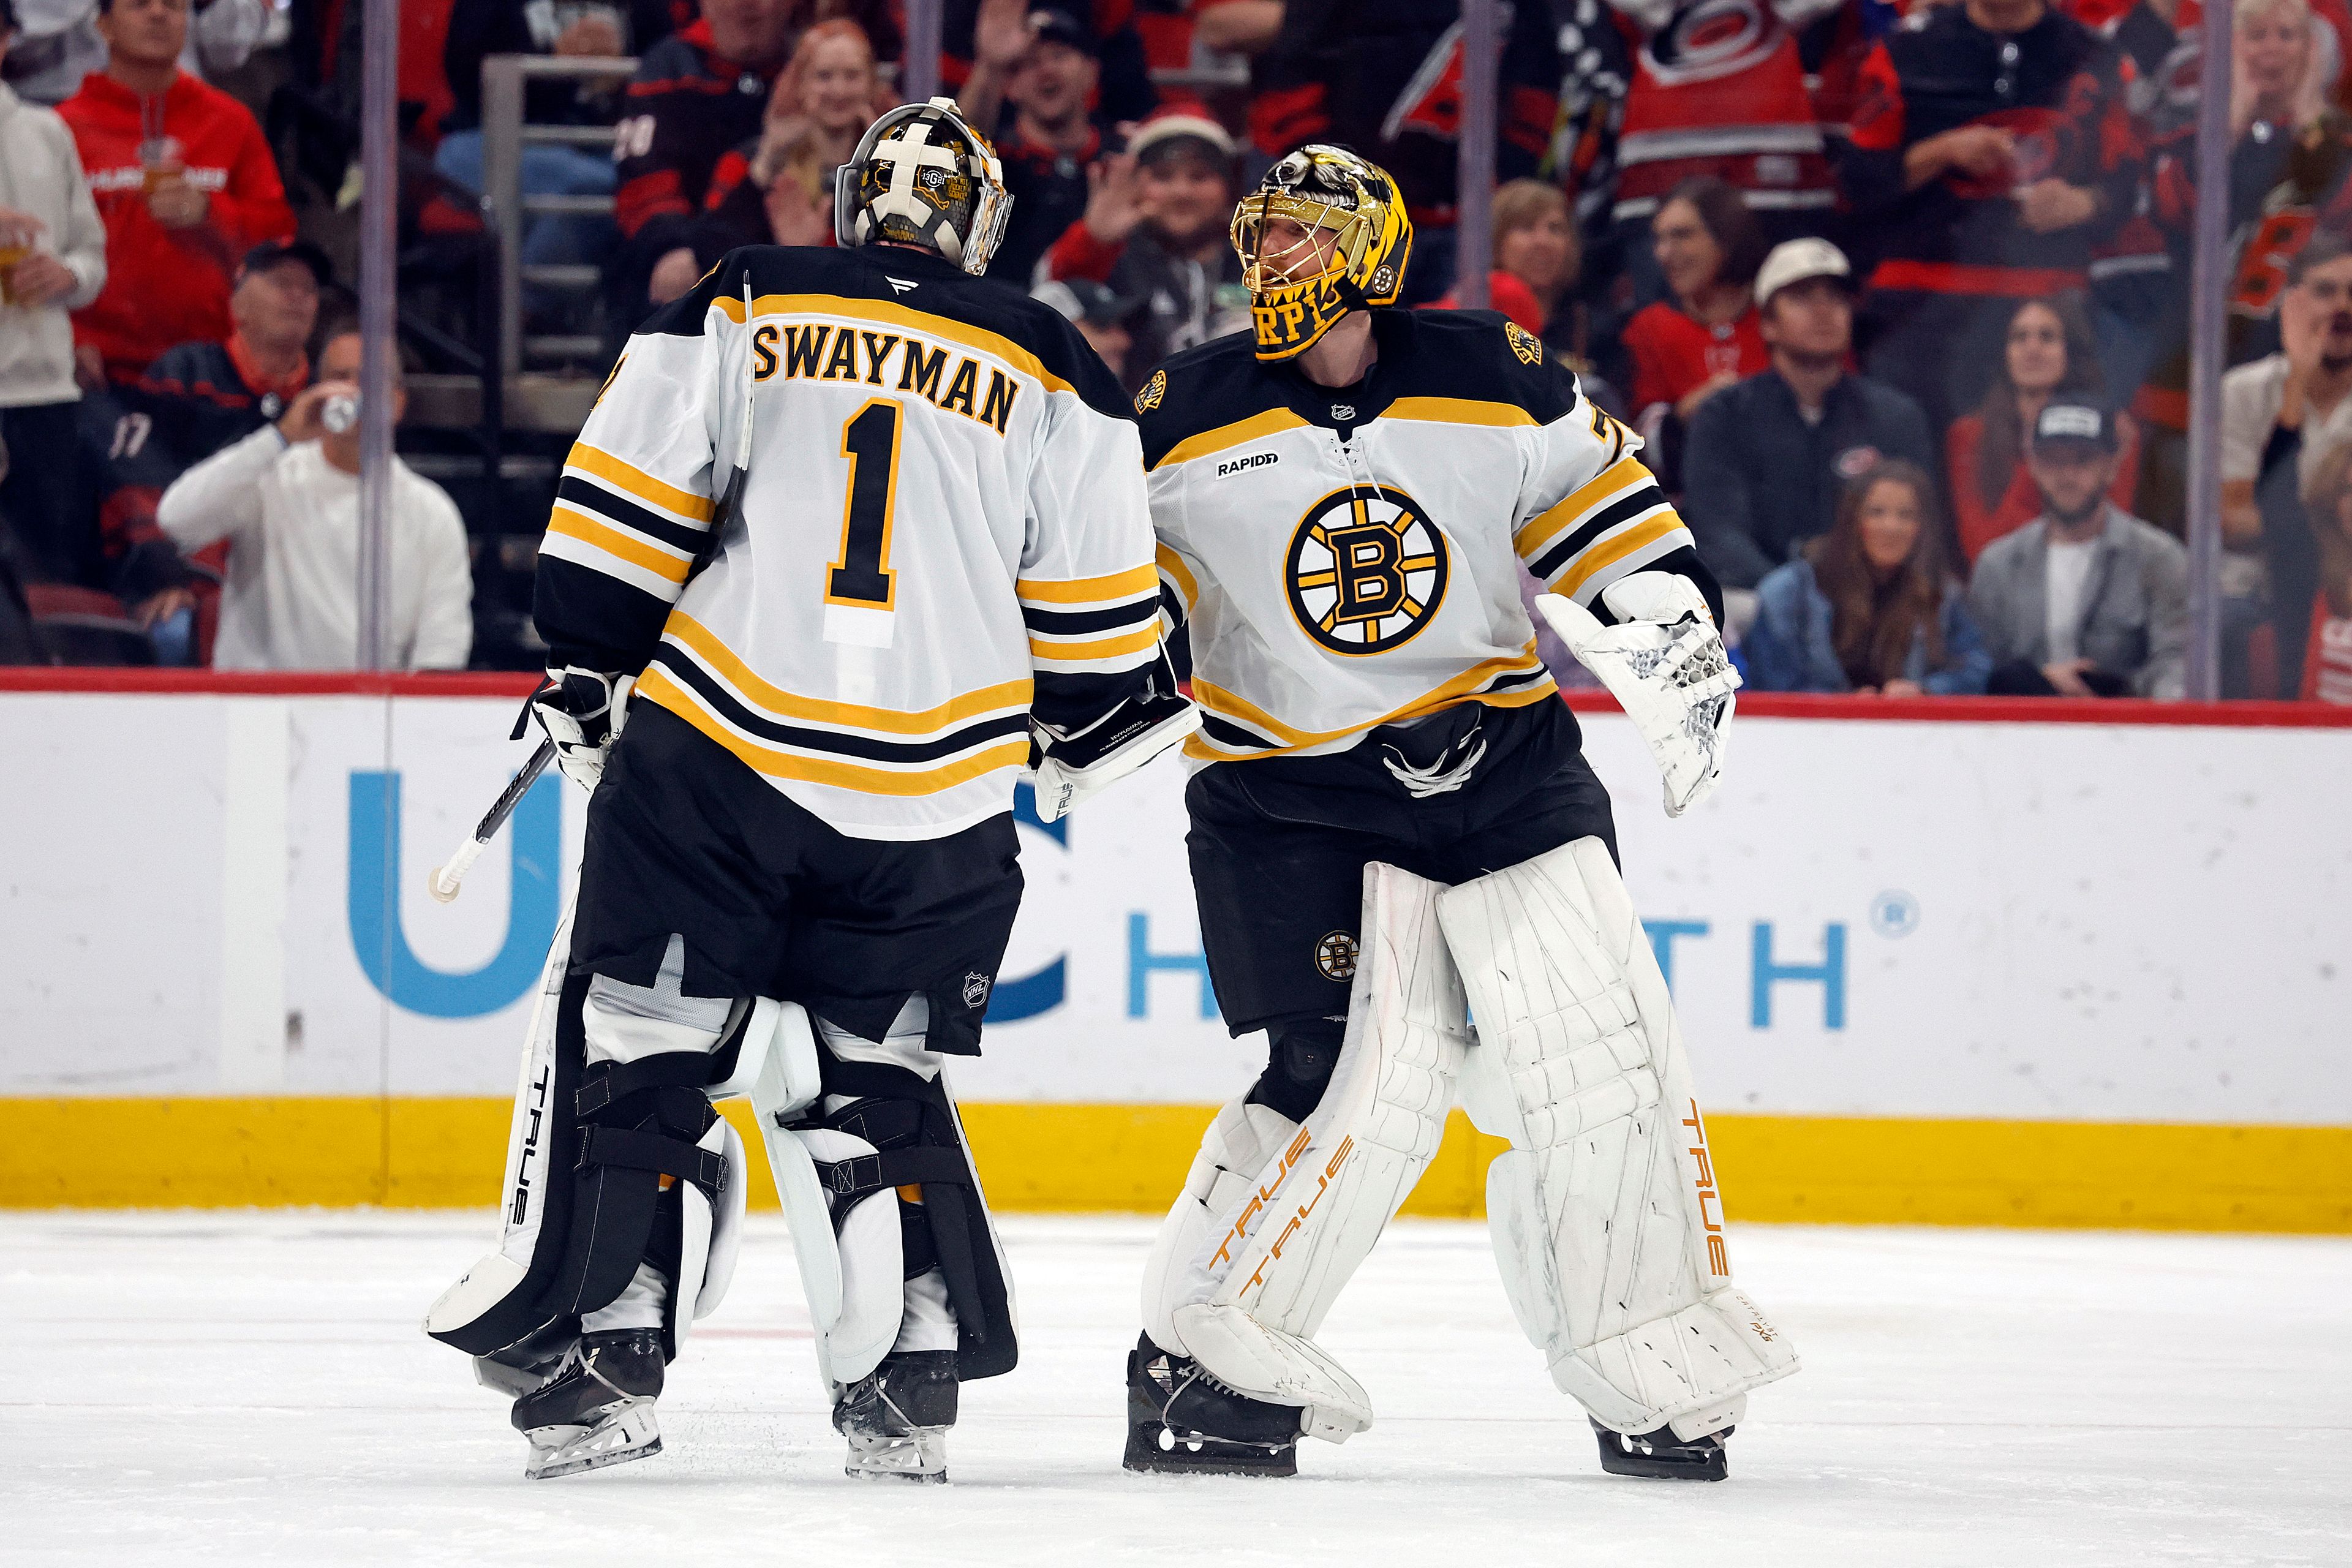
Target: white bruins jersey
(942, 528)
(1350, 559)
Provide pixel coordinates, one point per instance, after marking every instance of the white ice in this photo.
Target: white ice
(254, 1388)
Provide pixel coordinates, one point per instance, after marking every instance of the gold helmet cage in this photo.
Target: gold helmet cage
(1355, 235)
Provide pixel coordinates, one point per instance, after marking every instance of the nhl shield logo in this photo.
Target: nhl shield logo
(1367, 570)
(975, 989)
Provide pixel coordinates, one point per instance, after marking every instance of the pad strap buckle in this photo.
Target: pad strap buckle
(630, 1150)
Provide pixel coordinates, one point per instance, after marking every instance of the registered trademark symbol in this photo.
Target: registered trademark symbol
(1893, 913)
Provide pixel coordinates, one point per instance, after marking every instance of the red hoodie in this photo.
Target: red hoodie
(170, 286)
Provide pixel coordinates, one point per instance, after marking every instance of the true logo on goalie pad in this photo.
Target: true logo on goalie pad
(1334, 955)
(1718, 1261)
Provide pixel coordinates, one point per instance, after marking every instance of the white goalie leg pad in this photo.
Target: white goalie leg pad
(1271, 1262)
(1604, 1215)
(851, 1248)
(1243, 1140)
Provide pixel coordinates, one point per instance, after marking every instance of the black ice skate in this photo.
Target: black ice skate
(597, 1410)
(1181, 1421)
(897, 1418)
(1660, 1456)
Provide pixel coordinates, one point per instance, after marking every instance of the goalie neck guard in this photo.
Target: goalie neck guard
(922, 175)
(1351, 256)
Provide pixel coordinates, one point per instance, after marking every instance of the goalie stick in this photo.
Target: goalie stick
(447, 878)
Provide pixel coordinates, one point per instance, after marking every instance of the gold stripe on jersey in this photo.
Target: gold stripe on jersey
(1618, 478)
(1065, 654)
(1110, 588)
(1463, 688)
(657, 687)
(1256, 428)
(1623, 552)
(597, 463)
(884, 312)
(663, 560)
(1459, 411)
(722, 661)
(1179, 576)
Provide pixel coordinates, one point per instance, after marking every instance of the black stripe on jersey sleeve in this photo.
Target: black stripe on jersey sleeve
(869, 748)
(591, 621)
(1642, 497)
(1070, 623)
(620, 509)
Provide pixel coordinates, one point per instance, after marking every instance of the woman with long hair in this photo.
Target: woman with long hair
(777, 189)
(1538, 259)
(1869, 607)
(1684, 351)
(2049, 349)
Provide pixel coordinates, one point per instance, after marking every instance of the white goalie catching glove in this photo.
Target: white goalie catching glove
(582, 711)
(1664, 663)
(1065, 769)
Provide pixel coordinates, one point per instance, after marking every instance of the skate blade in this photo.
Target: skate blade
(920, 1457)
(1157, 1451)
(627, 1433)
(1647, 1459)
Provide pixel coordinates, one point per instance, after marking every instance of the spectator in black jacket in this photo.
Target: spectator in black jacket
(1990, 147)
(1041, 67)
(203, 395)
(699, 94)
(1769, 458)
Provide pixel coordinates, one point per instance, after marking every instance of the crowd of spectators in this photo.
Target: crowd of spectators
(1885, 284)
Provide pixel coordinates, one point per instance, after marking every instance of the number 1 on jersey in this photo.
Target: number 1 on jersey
(862, 577)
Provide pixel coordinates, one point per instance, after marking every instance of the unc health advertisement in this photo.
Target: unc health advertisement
(2001, 919)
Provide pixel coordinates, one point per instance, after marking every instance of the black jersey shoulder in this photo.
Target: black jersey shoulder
(1477, 356)
(912, 285)
(1201, 388)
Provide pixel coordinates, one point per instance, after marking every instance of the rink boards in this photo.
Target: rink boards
(2001, 965)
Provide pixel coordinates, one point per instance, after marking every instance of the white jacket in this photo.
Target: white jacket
(291, 596)
(40, 174)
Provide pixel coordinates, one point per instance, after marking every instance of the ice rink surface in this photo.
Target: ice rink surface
(255, 1389)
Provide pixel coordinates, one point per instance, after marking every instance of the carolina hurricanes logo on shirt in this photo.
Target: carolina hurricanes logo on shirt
(1366, 571)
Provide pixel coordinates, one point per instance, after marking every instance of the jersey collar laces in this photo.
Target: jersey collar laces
(1326, 191)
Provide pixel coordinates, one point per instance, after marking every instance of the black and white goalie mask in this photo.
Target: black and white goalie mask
(922, 175)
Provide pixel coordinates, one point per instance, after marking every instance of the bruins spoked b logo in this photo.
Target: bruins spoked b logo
(1367, 570)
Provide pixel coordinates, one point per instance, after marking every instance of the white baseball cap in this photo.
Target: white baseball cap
(1793, 262)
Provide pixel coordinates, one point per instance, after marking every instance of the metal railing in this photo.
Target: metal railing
(505, 134)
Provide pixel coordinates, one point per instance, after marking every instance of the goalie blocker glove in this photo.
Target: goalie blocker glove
(1066, 768)
(582, 713)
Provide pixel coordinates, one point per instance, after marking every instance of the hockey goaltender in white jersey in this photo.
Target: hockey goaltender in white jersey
(868, 537)
(1393, 830)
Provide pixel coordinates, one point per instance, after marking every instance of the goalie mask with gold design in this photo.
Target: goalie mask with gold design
(1324, 234)
(922, 175)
